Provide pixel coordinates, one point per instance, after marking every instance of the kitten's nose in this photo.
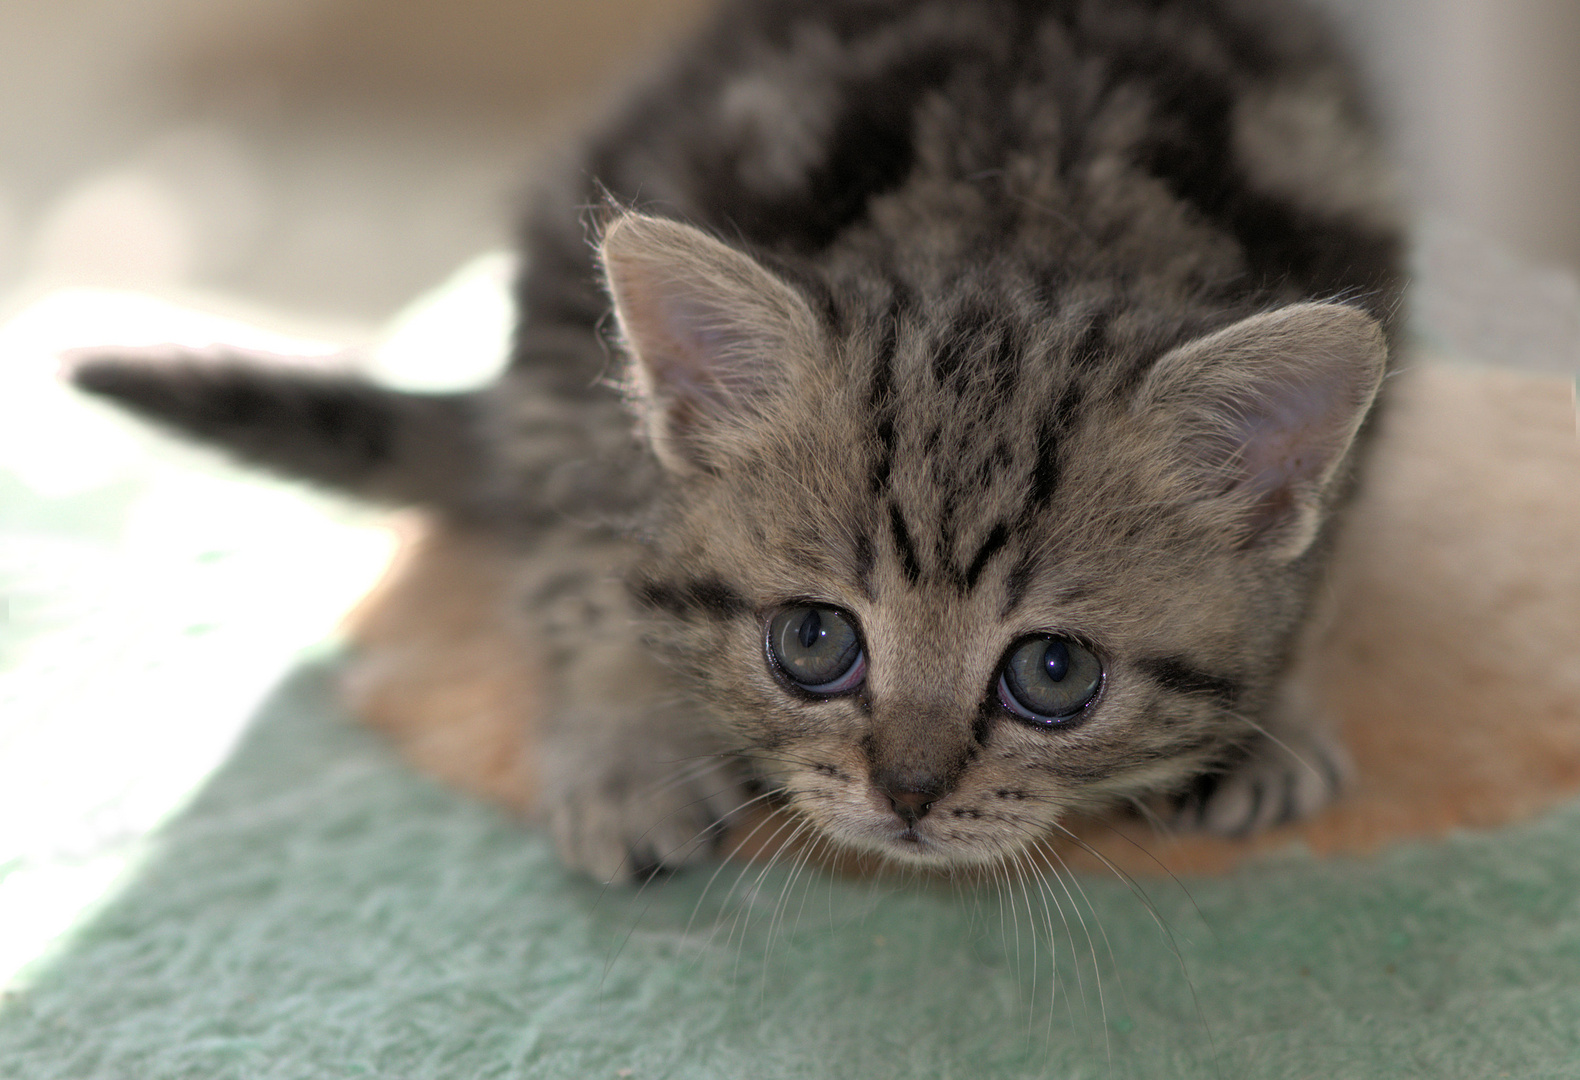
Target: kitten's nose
(909, 804)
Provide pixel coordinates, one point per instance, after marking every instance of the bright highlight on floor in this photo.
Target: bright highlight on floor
(150, 594)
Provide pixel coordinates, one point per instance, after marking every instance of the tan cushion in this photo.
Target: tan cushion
(1448, 646)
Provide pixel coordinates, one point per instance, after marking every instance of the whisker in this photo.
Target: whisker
(1014, 913)
(780, 906)
(1027, 854)
(812, 865)
(741, 918)
(1300, 758)
(796, 826)
(641, 891)
(1053, 954)
(725, 863)
(1031, 918)
(1157, 917)
(1161, 865)
(1130, 882)
(1064, 880)
(745, 910)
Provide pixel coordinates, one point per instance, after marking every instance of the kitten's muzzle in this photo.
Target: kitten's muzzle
(917, 754)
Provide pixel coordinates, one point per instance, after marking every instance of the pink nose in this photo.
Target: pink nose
(910, 805)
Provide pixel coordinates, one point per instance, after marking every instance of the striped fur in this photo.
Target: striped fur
(934, 345)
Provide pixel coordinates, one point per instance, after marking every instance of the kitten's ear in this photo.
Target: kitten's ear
(710, 331)
(1267, 409)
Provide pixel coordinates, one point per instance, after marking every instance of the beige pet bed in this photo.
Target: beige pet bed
(1448, 645)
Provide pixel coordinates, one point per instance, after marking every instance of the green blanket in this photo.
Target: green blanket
(319, 911)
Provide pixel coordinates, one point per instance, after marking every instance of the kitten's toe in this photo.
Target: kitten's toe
(623, 828)
(1275, 785)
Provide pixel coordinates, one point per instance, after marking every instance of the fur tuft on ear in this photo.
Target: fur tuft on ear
(710, 332)
(1266, 410)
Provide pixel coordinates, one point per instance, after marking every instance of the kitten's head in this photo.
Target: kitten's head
(951, 568)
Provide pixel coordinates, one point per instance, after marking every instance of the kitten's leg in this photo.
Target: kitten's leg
(631, 778)
(1294, 766)
(630, 788)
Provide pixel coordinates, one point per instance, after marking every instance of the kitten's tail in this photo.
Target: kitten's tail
(329, 428)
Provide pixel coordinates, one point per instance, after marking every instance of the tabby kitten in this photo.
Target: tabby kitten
(998, 367)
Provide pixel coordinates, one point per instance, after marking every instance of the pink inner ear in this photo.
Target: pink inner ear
(1287, 444)
(709, 328)
(1292, 438)
(693, 359)
(703, 353)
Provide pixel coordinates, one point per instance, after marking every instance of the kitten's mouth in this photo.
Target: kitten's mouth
(903, 843)
(929, 845)
(930, 839)
(911, 844)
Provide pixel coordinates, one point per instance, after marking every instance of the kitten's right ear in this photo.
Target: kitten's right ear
(1264, 412)
(710, 332)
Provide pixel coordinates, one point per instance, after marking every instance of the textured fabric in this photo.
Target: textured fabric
(319, 911)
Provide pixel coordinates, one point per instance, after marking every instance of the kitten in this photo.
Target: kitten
(998, 367)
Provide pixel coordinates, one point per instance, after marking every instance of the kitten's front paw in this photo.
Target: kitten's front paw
(1277, 784)
(622, 822)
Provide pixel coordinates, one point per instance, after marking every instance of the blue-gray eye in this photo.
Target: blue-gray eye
(1049, 680)
(817, 648)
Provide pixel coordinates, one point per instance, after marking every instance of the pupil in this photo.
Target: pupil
(811, 629)
(1056, 661)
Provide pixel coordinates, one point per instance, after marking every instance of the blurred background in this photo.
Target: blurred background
(335, 157)
(290, 174)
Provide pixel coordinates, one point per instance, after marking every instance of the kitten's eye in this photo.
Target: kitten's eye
(817, 648)
(1049, 680)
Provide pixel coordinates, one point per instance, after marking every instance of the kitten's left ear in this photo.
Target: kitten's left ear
(1266, 410)
(710, 330)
